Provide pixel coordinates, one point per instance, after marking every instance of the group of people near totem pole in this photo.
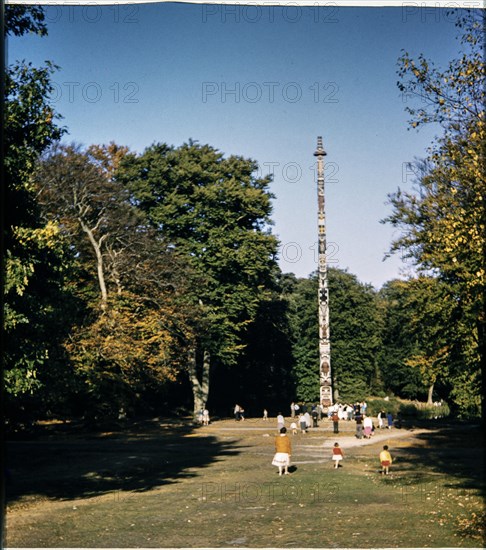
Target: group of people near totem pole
(283, 452)
(365, 427)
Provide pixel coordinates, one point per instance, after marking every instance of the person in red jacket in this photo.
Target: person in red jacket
(337, 454)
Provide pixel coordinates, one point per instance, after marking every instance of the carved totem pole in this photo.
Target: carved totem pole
(323, 297)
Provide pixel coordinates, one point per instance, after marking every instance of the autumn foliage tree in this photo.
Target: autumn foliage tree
(128, 330)
(443, 223)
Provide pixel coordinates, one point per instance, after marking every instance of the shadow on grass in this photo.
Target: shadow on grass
(453, 450)
(141, 457)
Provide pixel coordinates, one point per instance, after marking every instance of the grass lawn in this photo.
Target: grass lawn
(163, 483)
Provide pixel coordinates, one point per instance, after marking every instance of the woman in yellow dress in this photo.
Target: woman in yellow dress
(283, 450)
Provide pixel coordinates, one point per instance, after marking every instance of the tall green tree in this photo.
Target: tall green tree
(443, 222)
(216, 213)
(355, 329)
(33, 261)
(355, 336)
(398, 376)
(264, 377)
(417, 336)
(305, 338)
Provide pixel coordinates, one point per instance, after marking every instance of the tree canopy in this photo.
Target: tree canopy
(443, 222)
(216, 213)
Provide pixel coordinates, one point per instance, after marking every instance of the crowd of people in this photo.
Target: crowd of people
(304, 416)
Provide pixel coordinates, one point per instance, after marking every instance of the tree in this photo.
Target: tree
(305, 338)
(355, 335)
(264, 374)
(128, 328)
(398, 376)
(33, 265)
(355, 329)
(417, 336)
(215, 213)
(443, 222)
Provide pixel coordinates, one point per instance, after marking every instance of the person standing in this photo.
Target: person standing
(265, 414)
(280, 421)
(315, 416)
(385, 460)
(283, 450)
(303, 424)
(292, 410)
(389, 418)
(368, 426)
(335, 422)
(308, 420)
(205, 417)
(337, 454)
(365, 408)
(380, 416)
(237, 412)
(359, 426)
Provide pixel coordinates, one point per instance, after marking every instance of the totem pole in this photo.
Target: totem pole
(323, 297)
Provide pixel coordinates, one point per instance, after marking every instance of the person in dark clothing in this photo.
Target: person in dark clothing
(335, 422)
(359, 426)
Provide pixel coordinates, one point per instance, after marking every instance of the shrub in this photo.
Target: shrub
(375, 405)
(408, 409)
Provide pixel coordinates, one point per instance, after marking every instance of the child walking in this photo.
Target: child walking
(385, 460)
(337, 455)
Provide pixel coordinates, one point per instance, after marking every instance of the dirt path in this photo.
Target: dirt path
(308, 448)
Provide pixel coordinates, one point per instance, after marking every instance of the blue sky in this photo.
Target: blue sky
(263, 83)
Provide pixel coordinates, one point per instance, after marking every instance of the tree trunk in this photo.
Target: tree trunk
(99, 258)
(200, 388)
(429, 397)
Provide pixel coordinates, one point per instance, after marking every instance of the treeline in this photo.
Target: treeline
(145, 282)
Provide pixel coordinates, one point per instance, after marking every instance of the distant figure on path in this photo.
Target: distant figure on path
(292, 410)
(303, 424)
(337, 454)
(385, 460)
(315, 416)
(205, 417)
(280, 421)
(283, 450)
(359, 426)
(335, 422)
(265, 414)
(368, 426)
(389, 418)
(380, 416)
(308, 420)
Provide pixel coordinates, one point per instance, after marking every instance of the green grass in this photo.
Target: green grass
(173, 486)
